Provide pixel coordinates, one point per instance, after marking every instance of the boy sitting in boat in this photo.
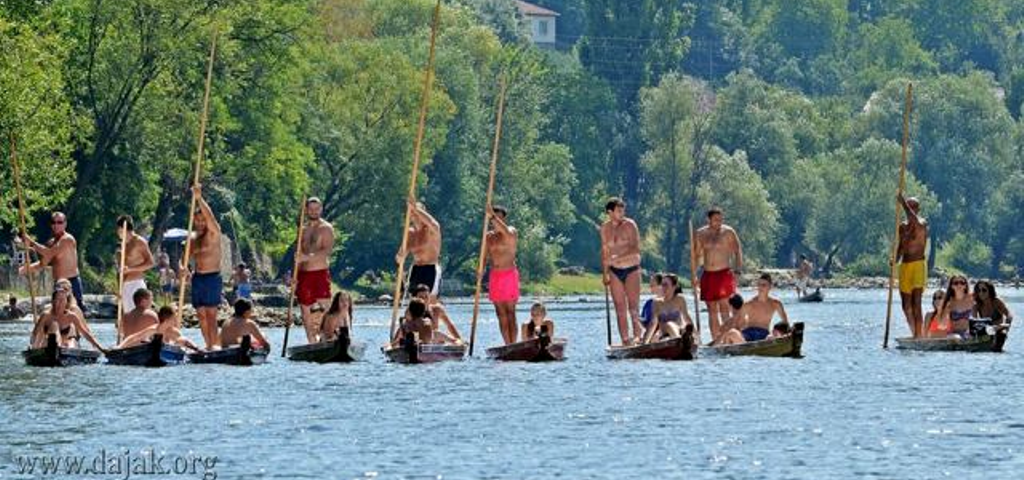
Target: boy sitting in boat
(437, 314)
(141, 316)
(538, 320)
(416, 322)
(732, 326)
(240, 325)
(670, 312)
(757, 314)
(167, 327)
(337, 316)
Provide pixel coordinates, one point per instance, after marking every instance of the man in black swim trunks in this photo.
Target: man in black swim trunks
(425, 246)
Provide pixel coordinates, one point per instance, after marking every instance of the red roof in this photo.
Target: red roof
(534, 10)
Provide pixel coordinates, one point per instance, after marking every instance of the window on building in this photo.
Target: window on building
(542, 28)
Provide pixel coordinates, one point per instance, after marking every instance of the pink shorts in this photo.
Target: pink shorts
(503, 286)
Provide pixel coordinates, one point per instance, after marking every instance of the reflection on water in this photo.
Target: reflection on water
(849, 409)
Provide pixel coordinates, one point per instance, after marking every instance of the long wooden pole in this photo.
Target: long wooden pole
(24, 228)
(195, 180)
(695, 282)
(899, 209)
(120, 280)
(487, 209)
(428, 80)
(295, 273)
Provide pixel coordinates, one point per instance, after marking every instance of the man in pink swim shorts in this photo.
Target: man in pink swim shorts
(503, 283)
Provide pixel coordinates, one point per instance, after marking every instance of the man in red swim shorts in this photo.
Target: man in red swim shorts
(503, 284)
(718, 249)
(314, 287)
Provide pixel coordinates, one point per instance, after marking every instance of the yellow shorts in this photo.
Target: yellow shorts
(913, 276)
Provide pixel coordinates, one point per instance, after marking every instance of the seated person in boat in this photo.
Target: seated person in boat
(415, 322)
(957, 307)
(988, 305)
(142, 316)
(670, 312)
(732, 326)
(168, 327)
(538, 320)
(12, 312)
(64, 320)
(242, 324)
(647, 312)
(437, 314)
(936, 328)
(781, 329)
(760, 310)
(337, 316)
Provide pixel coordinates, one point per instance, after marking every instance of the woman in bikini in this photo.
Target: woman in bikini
(620, 260)
(538, 320)
(63, 318)
(988, 305)
(339, 315)
(670, 313)
(936, 329)
(957, 307)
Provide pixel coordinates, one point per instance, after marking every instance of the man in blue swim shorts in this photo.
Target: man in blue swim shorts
(760, 311)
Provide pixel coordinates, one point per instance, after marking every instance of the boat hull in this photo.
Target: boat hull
(682, 348)
(978, 344)
(540, 349)
(812, 297)
(240, 355)
(341, 350)
(789, 346)
(152, 354)
(53, 355)
(412, 352)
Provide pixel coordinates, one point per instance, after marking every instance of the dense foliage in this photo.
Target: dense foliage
(787, 114)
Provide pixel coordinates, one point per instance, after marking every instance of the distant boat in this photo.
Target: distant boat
(813, 297)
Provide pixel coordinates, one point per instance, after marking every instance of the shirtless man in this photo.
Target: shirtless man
(760, 310)
(141, 316)
(168, 328)
(240, 325)
(503, 286)
(620, 263)
(416, 321)
(242, 280)
(913, 273)
(64, 320)
(59, 252)
(314, 286)
(803, 275)
(718, 249)
(425, 246)
(207, 285)
(137, 261)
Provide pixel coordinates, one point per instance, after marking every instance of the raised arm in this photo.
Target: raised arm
(206, 211)
(420, 212)
(912, 218)
(499, 223)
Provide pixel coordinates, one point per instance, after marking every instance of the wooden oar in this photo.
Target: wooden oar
(695, 283)
(24, 228)
(487, 208)
(120, 281)
(899, 209)
(295, 273)
(195, 180)
(428, 79)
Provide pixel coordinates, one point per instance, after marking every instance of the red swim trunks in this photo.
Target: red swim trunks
(503, 286)
(717, 285)
(313, 285)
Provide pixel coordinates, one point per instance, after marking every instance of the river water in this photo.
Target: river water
(847, 410)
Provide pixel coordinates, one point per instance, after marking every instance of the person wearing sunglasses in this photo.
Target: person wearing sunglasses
(64, 319)
(60, 253)
(988, 305)
(958, 307)
(936, 329)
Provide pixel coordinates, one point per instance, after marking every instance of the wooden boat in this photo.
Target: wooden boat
(411, 351)
(813, 297)
(340, 350)
(681, 348)
(53, 355)
(787, 346)
(991, 341)
(540, 349)
(241, 355)
(152, 354)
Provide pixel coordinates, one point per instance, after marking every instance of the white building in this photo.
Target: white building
(542, 23)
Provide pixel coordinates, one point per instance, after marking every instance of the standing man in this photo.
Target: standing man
(913, 237)
(620, 263)
(718, 249)
(59, 252)
(242, 280)
(207, 285)
(425, 246)
(314, 286)
(137, 261)
(503, 283)
(803, 275)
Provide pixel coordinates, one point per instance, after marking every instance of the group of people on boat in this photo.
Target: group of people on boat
(719, 254)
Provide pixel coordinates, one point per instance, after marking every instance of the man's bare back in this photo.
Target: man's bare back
(138, 259)
(138, 320)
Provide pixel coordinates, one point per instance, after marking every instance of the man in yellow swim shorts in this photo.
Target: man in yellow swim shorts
(913, 271)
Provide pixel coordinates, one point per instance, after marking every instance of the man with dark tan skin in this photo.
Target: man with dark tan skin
(207, 285)
(503, 285)
(314, 286)
(760, 310)
(60, 252)
(718, 249)
(141, 316)
(913, 270)
(137, 261)
(425, 246)
(620, 262)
